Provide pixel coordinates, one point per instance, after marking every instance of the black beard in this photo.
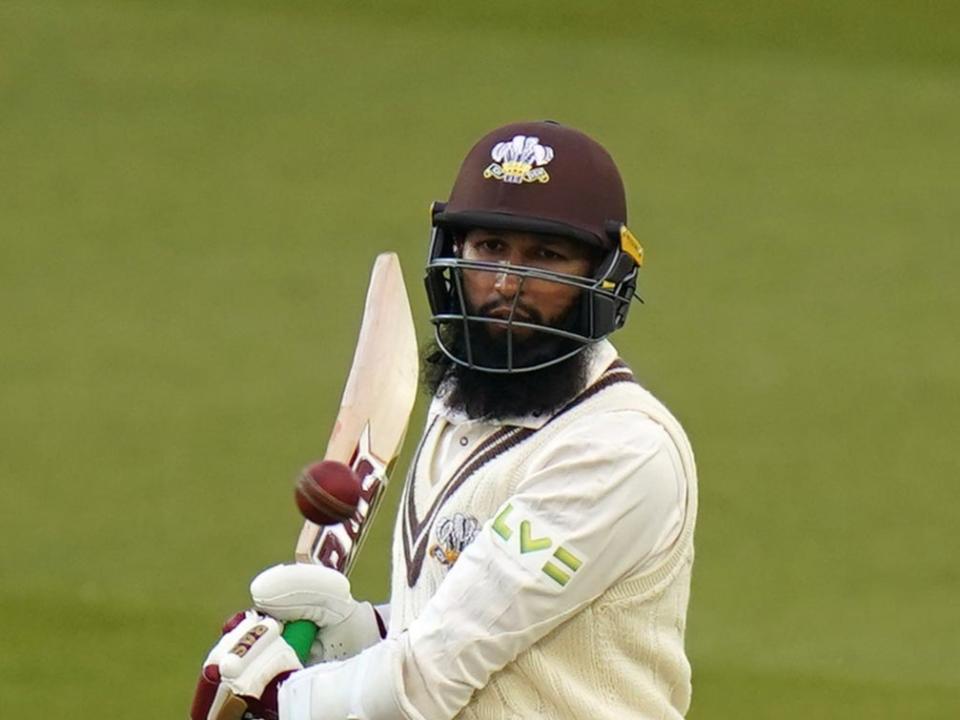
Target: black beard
(488, 396)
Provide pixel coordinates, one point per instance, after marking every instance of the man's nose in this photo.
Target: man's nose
(507, 284)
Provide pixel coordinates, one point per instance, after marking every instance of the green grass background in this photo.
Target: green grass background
(191, 194)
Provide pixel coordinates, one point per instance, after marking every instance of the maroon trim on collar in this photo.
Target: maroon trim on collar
(416, 533)
(408, 501)
(616, 372)
(412, 525)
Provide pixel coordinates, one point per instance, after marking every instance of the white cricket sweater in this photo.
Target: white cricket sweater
(506, 603)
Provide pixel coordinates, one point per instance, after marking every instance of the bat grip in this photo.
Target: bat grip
(300, 635)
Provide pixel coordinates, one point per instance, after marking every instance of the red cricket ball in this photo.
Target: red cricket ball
(327, 492)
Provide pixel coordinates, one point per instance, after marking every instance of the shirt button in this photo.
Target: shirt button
(463, 441)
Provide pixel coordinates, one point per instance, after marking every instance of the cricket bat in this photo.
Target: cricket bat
(370, 426)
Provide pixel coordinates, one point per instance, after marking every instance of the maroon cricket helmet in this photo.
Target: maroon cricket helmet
(539, 177)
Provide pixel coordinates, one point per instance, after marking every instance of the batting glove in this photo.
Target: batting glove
(243, 672)
(321, 595)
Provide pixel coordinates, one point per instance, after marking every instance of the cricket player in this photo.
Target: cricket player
(543, 547)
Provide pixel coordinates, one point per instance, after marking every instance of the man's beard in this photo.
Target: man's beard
(485, 395)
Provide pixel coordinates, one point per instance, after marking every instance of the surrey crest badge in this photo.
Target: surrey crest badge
(520, 160)
(453, 535)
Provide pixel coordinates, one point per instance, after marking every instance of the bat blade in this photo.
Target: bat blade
(374, 412)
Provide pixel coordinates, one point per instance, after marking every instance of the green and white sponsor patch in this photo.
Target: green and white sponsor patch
(538, 545)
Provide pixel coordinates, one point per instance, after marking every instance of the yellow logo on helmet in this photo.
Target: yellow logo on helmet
(631, 246)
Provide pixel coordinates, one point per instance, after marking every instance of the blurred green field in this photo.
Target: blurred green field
(191, 194)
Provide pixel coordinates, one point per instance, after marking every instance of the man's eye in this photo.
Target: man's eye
(550, 255)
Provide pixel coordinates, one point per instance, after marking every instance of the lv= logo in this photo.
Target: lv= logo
(530, 544)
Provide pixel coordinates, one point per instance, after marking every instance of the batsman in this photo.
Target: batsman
(543, 547)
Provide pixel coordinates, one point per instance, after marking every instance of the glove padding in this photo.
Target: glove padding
(321, 595)
(242, 674)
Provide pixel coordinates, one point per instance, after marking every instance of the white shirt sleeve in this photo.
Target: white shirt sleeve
(601, 501)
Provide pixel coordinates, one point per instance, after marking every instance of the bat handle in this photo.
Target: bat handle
(300, 635)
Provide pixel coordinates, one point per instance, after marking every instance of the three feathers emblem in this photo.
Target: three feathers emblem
(519, 160)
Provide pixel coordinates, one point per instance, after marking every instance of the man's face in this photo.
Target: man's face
(540, 301)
